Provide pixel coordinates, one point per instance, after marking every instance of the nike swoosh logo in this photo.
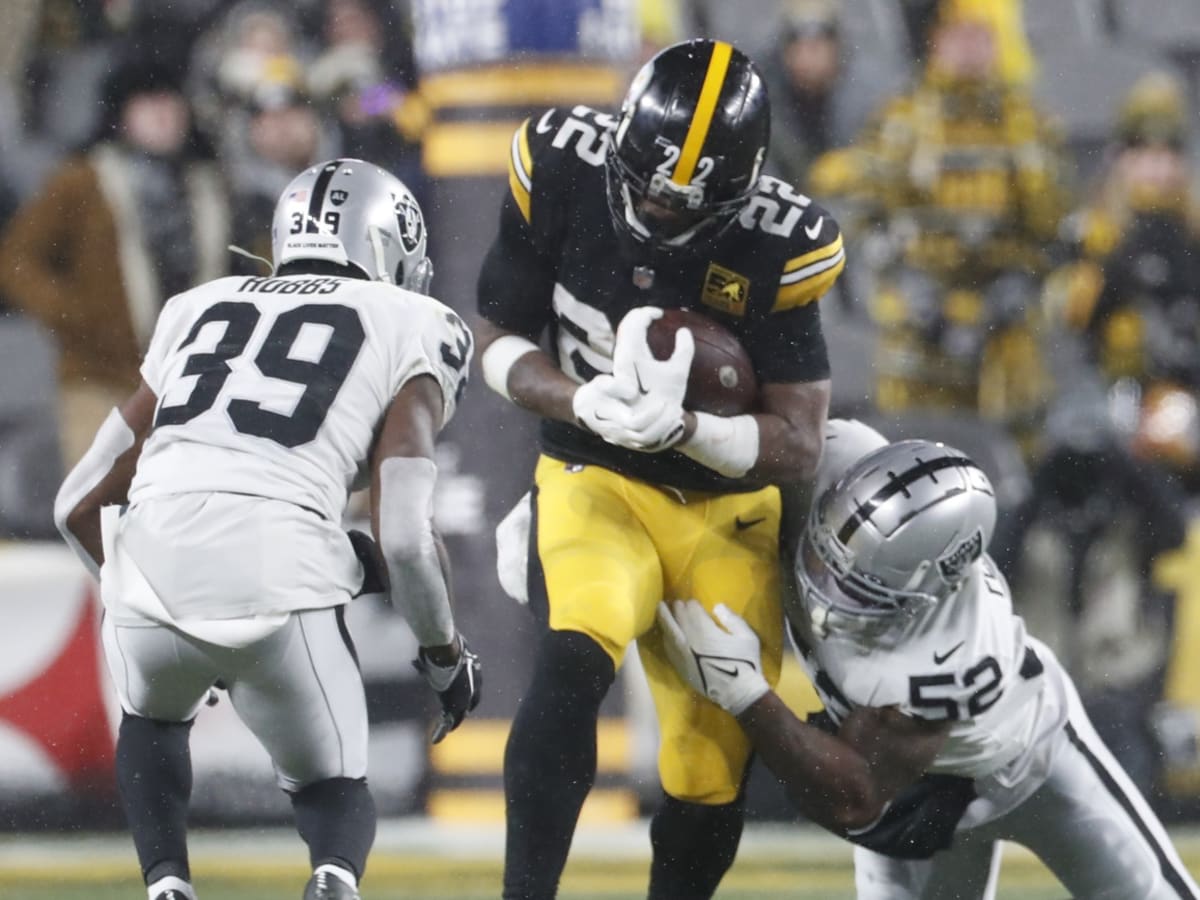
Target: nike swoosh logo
(543, 124)
(741, 525)
(732, 673)
(638, 376)
(938, 659)
(813, 230)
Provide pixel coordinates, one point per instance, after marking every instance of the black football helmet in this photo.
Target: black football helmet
(689, 144)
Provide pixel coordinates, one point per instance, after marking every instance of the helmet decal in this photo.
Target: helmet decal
(955, 561)
(412, 225)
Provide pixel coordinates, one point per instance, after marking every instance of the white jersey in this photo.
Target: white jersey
(967, 660)
(276, 387)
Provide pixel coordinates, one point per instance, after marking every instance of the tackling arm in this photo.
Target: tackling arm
(843, 782)
(103, 475)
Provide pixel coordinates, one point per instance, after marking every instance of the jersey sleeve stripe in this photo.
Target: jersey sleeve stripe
(806, 285)
(833, 248)
(710, 92)
(520, 170)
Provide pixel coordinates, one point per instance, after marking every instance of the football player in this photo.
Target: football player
(608, 220)
(946, 728)
(264, 401)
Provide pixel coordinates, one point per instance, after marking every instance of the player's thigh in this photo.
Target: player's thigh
(157, 673)
(967, 871)
(599, 572)
(702, 751)
(727, 553)
(1089, 824)
(732, 558)
(301, 693)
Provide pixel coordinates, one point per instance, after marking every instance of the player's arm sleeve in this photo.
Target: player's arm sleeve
(167, 334)
(789, 346)
(817, 262)
(519, 271)
(443, 350)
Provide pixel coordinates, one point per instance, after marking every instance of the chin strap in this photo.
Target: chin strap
(234, 248)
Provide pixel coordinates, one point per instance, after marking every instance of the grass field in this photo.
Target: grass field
(418, 860)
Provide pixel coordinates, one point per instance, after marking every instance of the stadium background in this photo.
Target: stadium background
(60, 828)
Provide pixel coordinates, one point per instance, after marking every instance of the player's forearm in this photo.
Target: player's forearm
(537, 384)
(787, 452)
(826, 779)
(403, 523)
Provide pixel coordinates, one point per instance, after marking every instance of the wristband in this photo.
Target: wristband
(499, 358)
(728, 445)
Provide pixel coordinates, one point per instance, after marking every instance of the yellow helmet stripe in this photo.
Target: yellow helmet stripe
(714, 80)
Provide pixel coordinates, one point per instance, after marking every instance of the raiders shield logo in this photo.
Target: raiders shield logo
(338, 197)
(725, 290)
(412, 226)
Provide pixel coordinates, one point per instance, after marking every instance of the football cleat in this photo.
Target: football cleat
(324, 885)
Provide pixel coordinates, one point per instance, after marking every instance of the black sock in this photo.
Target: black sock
(154, 775)
(550, 761)
(694, 846)
(336, 818)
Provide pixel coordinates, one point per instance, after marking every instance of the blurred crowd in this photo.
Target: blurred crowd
(1017, 183)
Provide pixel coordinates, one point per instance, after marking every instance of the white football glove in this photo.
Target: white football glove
(602, 404)
(633, 359)
(723, 662)
(654, 421)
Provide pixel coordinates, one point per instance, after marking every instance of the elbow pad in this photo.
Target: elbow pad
(112, 439)
(409, 547)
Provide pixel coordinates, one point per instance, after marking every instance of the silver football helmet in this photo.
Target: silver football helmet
(353, 213)
(894, 536)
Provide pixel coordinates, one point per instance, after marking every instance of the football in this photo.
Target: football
(722, 379)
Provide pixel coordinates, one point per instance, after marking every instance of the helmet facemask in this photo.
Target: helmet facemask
(657, 211)
(840, 599)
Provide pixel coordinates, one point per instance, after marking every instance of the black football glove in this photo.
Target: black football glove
(375, 574)
(458, 687)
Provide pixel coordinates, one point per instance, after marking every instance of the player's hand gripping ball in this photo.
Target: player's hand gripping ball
(722, 379)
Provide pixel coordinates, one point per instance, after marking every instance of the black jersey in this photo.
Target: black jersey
(559, 267)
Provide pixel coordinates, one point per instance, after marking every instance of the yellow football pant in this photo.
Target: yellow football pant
(610, 548)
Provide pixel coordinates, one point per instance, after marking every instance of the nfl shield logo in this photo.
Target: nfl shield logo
(338, 197)
(643, 277)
